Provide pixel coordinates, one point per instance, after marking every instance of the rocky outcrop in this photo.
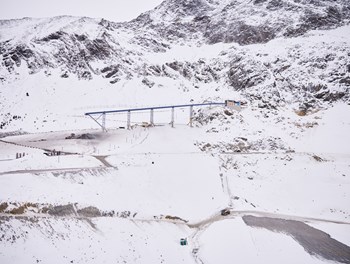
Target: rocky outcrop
(243, 22)
(244, 72)
(89, 48)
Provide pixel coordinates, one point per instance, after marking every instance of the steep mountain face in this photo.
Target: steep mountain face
(71, 44)
(266, 50)
(243, 22)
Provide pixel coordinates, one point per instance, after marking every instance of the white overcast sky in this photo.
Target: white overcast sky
(114, 10)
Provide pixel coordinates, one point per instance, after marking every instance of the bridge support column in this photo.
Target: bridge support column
(152, 117)
(172, 116)
(128, 120)
(104, 122)
(191, 115)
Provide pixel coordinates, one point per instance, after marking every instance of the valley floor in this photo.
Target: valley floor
(131, 196)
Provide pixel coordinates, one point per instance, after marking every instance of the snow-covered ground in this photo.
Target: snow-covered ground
(129, 196)
(106, 240)
(162, 187)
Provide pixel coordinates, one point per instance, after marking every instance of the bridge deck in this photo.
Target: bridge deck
(149, 108)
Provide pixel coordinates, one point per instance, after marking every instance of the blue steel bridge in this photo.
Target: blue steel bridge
(100, 116)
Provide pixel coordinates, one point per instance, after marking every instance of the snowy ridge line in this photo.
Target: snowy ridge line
(80, 217)
(56, 131)
(35, 171)
(21, 145)
(6, 159)
(198, 225)
(76, 130)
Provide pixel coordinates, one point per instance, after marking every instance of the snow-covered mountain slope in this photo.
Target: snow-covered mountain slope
(279, 168)
(294, 64)
(311, 70)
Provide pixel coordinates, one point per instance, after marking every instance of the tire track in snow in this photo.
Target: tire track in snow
(103, 160)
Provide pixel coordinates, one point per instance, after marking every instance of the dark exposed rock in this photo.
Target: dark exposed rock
(245, 73)
(332, 97)
(82, 136)
(115, 80)
(225, 212)
(275, 4)
(150, 44)
(81, 37)
(23, 51)
(65, 75)
(86, 136)
(86, 75)
(3, 207)
(256, 2)
(54, 36)
(98, 49)
(196, 71)
(109, 25)
(239, 32)
(176, 66)
(111, 71)
(62, 210)
(90, 211)
(322, 94)
(243, 145)
(155, 70)
(148, 82)
(175, 218)
(345, 81)
(16, 55)
(317, 158)
(228, 112)
(124, 214)
(205, 19)
(331, 18)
